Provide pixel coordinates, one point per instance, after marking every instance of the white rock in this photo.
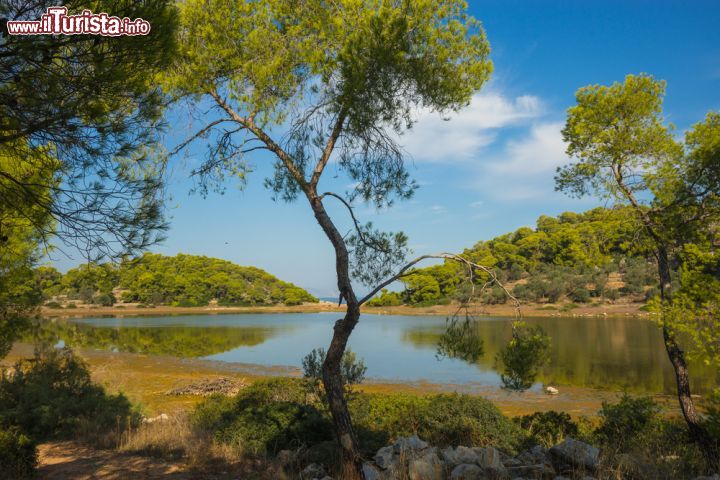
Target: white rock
(551, 390)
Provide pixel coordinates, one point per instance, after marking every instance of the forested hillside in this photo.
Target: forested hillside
(182, 280)
(598, 255)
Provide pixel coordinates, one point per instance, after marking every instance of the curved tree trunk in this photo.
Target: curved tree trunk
(698, 432)
(332, 380)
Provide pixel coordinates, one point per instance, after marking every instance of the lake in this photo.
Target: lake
(610, 353)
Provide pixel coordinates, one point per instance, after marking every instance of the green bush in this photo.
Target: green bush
(52, 396)
(104, 299)
(53, 305)
(580, 295)
(266, 417)
(448, 419)
(275, 414)
(386, 299)
(18, 455)
(548, 428)
(623, 422)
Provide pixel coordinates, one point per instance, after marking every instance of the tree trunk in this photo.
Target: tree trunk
(698, 432)
(351, 463)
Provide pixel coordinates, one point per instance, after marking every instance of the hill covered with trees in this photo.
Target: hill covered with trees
(182, 280)
(595, 256)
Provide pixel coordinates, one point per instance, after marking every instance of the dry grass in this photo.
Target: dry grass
(175, 440)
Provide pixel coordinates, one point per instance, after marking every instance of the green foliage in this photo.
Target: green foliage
(22, 227)
(52, 396)
(526, 352)
(352, 370)
(386, 299)
(274, 414)
(548, 428)
(566, 257)
(625, 152)
(18, 455)
(626, 420)
(266, 417)
(448, 419)
(183, 280)
(90, 115)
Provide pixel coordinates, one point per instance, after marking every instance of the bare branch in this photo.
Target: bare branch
(472, 266)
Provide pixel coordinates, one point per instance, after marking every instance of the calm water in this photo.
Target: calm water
(607, 353)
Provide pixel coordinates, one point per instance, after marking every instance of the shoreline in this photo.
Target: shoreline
(146, 379)
(531, 310)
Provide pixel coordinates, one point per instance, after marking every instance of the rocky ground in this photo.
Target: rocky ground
(413, 459)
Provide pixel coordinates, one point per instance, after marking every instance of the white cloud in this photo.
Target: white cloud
(524, 168)
(462, 135)
(541, 151)
(477, 204)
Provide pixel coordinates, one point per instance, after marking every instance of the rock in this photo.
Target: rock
(459, 455)
(426, 467)
(576, 454)
(712, 477)
(539, 471)
(313, 471)
(512, 462)
(384, 457)
(467, 471)
(409, 443)
(489, 459)
(551, 390)
(370, 472)
(535, 455)
(326, 477)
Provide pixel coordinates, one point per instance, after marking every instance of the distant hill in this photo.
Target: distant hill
(596, 256)
(182, 280)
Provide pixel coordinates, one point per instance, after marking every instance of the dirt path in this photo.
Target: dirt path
(68, 460)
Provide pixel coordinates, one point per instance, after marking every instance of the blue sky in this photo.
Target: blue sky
(489, 169)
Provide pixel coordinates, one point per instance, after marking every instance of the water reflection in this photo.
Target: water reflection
(174, 340)
(607, 353)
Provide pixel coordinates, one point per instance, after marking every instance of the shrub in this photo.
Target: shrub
(548, 428)
(18, 455)
(71, 305)
(104, 299)
(448, 419)
(580, 295)
(275, 414)
(53, 305)
(266, 417)
(624, 421)
(52, 396)
(386, 299)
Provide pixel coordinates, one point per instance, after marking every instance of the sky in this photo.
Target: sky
(487, 170)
